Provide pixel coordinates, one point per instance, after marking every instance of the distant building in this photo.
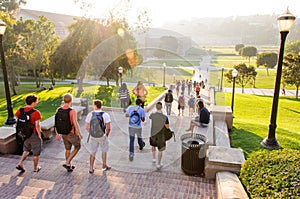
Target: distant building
(60, 21)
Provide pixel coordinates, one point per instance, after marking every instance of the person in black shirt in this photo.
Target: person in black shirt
(203, 118)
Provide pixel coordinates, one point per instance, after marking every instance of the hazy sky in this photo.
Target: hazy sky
(161, 11)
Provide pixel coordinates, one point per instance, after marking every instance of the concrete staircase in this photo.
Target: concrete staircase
(53, 181)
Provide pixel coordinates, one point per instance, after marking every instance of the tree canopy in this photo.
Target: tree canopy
(267, 59)
(248, 51)
(245, 75)
(291, 71)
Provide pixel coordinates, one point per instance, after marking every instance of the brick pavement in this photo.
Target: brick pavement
(137, 179)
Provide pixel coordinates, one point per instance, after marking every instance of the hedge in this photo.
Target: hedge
(272, 174)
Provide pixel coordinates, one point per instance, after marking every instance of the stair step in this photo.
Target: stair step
(54, 182)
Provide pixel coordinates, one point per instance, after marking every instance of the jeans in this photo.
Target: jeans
(168, 108)
(132, 132)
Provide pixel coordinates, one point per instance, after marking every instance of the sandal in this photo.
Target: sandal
(69, 169)
(38, 169)
(21, 169)
(106, 168)
(91, 171)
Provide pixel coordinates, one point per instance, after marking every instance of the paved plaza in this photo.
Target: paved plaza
(136, 179)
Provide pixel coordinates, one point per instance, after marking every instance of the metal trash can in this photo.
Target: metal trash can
(85, 102)
(193, 154)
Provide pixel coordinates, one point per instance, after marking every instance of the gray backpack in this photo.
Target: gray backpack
(97, 126)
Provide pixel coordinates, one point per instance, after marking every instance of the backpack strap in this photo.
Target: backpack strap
(30, 111)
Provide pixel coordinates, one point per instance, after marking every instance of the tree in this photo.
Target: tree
(267, 59)
(248, 51)
(291, 71)
(11, 6)
(245, 75)
(293, 47)
(238, 48)
(38, 42)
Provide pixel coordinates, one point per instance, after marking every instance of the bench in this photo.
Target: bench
(221, 134)
(47, 127)
(8, 143)
(229, 186)
(79, 110)
(205, 96)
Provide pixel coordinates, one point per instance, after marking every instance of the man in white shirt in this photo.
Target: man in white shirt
(97, 142)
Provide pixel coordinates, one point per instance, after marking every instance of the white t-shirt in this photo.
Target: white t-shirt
(105, 116)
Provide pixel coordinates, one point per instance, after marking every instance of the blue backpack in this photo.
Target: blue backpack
(135, 118)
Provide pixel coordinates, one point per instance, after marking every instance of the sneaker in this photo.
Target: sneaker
(153, 160)
(131, 157)
(159, 166)
(141, 147)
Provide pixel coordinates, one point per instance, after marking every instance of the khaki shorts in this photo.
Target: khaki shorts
(71, 139)
(99, 142)
(33, 144)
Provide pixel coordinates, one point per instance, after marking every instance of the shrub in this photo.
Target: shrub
(105, 93)
(272, 174)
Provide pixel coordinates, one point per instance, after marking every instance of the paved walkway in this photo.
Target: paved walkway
(261, 91)
(136, 179)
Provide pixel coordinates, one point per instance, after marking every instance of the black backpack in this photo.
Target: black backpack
(62, 121)
(24, 128)
(97, 126)
(169, 98)
(134, 118)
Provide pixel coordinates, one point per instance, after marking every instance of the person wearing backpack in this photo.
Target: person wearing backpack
(33, 143)
(168, 101)
(136, 116)
(97, 124)
(157, 139)
(67, 125)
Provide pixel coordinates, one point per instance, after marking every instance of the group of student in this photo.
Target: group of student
(67, 129)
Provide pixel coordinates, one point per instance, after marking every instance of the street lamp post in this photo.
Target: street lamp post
(234, 74)
(120, 70)
(164, 78)
(285, 23)
(221, 84)
(10, 119)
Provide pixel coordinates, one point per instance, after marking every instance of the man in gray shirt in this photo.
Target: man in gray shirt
(157, 139)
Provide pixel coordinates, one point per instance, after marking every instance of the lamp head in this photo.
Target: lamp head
(286, 21)
(234, 73)
(2, 27)
(164, 64)
(120, 69)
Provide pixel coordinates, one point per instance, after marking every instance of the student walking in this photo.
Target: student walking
(97, 124)
(141, 92)
(124, 96)
(136, 116)
(66, 124)
(168, 101)
(181, 104)
(34, 141)
(157, 139)
(191, 104)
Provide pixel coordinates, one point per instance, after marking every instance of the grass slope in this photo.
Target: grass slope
(252, 117)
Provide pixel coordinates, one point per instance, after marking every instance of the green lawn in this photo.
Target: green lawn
(49, 101)
(252, 117)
